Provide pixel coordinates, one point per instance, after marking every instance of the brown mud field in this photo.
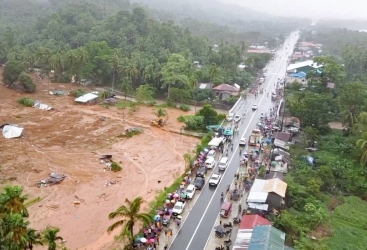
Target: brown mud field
(70, 140)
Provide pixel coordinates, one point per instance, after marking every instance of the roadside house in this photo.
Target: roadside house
(265, 237)
(225, 91)
(248, 223)
(282, 140)
(266, 195)
(305, 66)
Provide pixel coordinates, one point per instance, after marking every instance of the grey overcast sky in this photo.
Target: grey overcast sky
(340, 9)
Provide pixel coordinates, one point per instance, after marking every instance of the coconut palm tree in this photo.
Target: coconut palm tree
(126, 86)
(57, 62)
(130, 215)
(15, 231)
(50, 237)
(115, 65)
(214, 72)
(33, 238)
(12, 201)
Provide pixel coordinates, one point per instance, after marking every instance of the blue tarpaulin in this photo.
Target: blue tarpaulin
(298, 74)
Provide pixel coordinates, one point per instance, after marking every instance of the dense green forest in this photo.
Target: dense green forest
(124, 50)
(326, 196)
(348, 46)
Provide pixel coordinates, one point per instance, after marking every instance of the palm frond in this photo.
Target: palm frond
(115, 225)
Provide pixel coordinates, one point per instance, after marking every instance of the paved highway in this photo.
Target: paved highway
(198, 225)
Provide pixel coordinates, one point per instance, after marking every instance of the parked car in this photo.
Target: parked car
(199, 182)
(243, 141)
(230, 117)
(254, 107)
(211, 154)
(237, 118)
(201, 171)
(178, 208)
(190, 191)
(214, 180)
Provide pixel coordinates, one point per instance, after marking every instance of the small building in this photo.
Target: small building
(89, 98)
(241, 67)
(206, 86)
(225, 91)
(266, 194)
(282, 140)
(267, 237)
(248, 223)
(259, 51)
(273, 175)
(306, 44)
(330, 85)
(305, 67)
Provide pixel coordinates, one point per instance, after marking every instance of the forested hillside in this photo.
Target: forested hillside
(239, 18)
(125, 50)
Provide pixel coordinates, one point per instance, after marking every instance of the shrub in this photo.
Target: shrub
(77, 92)
(185, 107)
(115, 167)
(28, 102)
(133, 131)
(194, 122)
(27, 83)
(181, 118)
(171, 104)
(151, 103)
(221, 117)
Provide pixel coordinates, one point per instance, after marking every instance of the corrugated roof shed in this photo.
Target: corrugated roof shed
(249, 221)
(276, 186)
(267, 238)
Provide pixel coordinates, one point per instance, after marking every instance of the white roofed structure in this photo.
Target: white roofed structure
(86, 98)
(12, 131)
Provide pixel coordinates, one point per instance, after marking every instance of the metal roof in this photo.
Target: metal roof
(296, 66)
(267, 237)
(86, 98)
(249, 221)
(276, 186)
(257, 194)
(242, 239)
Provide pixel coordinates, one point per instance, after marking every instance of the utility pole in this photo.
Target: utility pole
(283, 106)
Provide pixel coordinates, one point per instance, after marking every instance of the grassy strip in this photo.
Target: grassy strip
(162, 195)
(32, 202)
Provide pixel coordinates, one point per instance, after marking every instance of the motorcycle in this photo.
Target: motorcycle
(220, 231)
(236, 220)
(229, 224)
(227, 242)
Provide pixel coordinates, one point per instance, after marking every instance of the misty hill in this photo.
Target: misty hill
(210, 11)
(23, 13)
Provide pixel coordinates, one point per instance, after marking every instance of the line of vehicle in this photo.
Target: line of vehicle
(197, 196)
(230, 161)
(269, 85)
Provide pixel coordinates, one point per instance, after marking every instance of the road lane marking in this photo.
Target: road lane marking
(230, 161)
(232, 181)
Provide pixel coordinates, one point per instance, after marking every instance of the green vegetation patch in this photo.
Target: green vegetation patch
(28, 102)
(349, 225)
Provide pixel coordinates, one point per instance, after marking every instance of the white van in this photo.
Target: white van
(223, 163)
(210, 163)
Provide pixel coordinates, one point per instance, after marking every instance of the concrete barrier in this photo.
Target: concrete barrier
(235, 105)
